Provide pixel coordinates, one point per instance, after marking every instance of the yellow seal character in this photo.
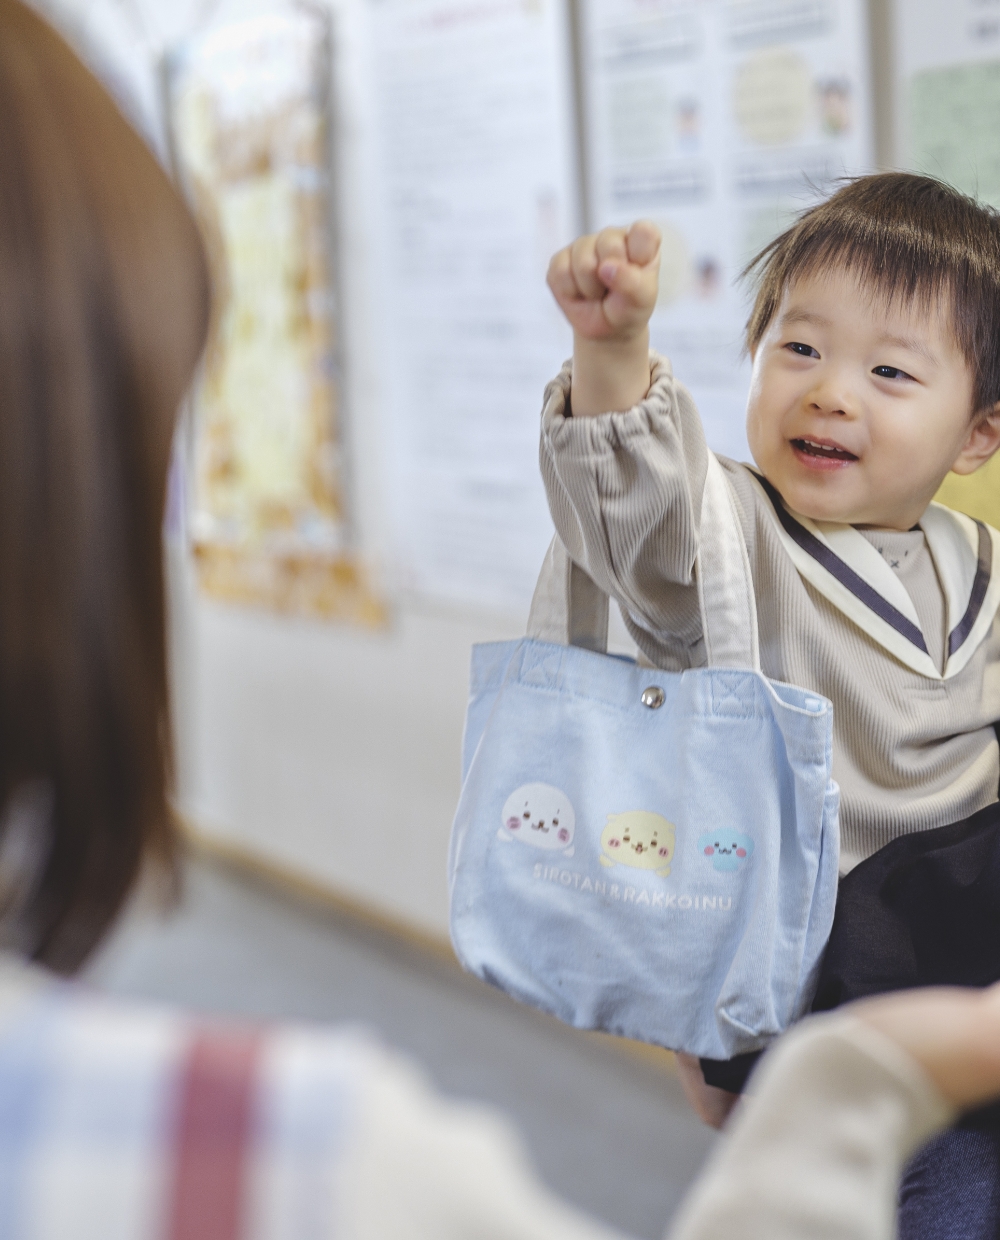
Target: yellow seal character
(640, 839)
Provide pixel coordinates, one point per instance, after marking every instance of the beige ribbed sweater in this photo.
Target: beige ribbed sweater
(910, 753)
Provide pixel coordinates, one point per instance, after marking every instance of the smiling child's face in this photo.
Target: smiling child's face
(858, 410)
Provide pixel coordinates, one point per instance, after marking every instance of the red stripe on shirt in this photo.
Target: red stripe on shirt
(214, 1134)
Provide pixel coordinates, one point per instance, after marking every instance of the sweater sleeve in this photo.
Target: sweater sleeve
(818, 1150)
(428, 1168)
(625, 493)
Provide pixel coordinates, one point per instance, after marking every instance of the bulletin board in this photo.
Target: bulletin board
(720, 120)
(270, 521)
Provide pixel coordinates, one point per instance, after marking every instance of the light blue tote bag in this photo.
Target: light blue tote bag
(649, 853)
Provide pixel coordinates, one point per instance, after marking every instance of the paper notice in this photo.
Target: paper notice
(477, 186)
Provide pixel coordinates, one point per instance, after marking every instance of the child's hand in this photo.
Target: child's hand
(606, 283)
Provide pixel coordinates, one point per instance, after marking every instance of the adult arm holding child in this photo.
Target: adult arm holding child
(837, 1108)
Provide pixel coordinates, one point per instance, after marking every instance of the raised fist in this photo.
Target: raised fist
(606, 283)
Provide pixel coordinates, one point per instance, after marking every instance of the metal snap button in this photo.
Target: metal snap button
(653, 697)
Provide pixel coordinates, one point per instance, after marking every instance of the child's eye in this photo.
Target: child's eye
(890, 372)
(803, 350)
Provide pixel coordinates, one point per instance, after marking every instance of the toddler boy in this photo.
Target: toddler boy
(876, 370)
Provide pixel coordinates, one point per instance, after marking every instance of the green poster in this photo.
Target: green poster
(955, 127)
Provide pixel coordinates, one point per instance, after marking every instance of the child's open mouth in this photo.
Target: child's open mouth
(823, 454)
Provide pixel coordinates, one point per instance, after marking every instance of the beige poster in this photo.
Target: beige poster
(249, 106)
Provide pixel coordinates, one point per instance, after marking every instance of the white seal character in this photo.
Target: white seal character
(541, 816)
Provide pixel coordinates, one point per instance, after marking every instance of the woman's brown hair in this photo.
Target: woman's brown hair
(104, 303)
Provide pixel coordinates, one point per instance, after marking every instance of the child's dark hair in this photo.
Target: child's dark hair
(908, 237)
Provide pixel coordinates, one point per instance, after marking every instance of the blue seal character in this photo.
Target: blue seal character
(729, 850)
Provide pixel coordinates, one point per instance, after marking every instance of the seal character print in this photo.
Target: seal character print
(539, 815)
(729, 850)
(640, 839)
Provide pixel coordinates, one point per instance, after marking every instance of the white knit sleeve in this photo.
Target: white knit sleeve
(817, 1150)
(425, 1168)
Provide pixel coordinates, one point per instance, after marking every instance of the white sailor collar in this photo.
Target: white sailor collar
(847, 570)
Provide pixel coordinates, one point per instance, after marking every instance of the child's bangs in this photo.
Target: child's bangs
(892, 270)
(908, 240)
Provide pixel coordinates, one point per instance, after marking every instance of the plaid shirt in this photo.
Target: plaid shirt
(128, 1122)
(121, 1123)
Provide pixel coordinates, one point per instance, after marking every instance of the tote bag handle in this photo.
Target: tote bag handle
(569, 609)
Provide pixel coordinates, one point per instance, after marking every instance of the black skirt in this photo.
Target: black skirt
(922, 911)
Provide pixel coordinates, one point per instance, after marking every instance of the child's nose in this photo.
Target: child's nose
(832, 395)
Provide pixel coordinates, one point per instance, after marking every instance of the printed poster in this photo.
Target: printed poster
(476, 187)
(719, 120)
(947, 103)
(270, 520)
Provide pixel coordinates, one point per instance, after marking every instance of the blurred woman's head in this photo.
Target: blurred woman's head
(104, 307)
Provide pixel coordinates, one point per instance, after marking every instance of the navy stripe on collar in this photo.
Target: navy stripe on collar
(848, 578)
(979, 587)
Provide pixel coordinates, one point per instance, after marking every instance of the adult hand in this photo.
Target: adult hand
(953, 1034)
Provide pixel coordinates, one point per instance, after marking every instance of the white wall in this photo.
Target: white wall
(330, 750)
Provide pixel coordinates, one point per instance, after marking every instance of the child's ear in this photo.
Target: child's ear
(983, 441)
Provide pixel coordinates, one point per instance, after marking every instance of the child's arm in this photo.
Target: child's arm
(606, 285)
(623, 454)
